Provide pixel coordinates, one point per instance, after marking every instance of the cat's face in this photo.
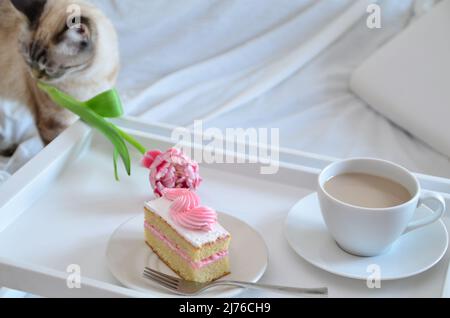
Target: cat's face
(53, 46)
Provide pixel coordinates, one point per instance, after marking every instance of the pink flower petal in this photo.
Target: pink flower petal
(149, 158)
(171, 169)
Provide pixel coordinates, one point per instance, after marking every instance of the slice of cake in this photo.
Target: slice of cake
(186, 236)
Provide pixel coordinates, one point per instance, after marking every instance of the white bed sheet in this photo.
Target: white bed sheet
(186, 60)
(183, 60)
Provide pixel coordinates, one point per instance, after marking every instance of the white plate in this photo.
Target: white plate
(412, 254)
(127, 255)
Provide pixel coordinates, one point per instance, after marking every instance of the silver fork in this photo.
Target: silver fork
(187, 288)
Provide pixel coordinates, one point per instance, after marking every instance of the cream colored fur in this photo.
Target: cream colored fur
(16, 80)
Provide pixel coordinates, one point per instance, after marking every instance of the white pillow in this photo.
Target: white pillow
(408, 79)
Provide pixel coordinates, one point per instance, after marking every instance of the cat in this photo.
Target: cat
(42, 40)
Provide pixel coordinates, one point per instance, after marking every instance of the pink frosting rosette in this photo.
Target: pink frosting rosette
(171, 169)
(187, 211)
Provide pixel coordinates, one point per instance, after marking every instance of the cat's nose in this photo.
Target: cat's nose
(37, 71)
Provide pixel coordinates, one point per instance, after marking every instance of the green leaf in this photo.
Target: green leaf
(115, 157)
(107, 104)
(93, 119)
(132, 141)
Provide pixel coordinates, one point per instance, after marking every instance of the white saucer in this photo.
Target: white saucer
(412, 254)
(127, 255)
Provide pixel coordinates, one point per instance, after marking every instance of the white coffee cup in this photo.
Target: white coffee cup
(371, 231)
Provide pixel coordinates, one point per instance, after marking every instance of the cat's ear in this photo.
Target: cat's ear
(32, 9)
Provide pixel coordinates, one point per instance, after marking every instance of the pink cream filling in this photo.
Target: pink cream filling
(179, 251)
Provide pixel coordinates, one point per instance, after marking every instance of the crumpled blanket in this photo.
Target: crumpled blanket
(17, 132)
(214, 59)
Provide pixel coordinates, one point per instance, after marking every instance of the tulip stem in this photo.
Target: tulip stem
(94, 112)
(132, 141)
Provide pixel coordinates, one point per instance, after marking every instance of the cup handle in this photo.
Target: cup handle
(437, 213)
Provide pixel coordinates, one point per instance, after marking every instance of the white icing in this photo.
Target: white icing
(161, 207)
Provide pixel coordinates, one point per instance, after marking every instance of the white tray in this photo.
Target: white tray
(62, 207)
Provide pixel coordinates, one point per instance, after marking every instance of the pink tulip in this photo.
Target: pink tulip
(171, 169)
